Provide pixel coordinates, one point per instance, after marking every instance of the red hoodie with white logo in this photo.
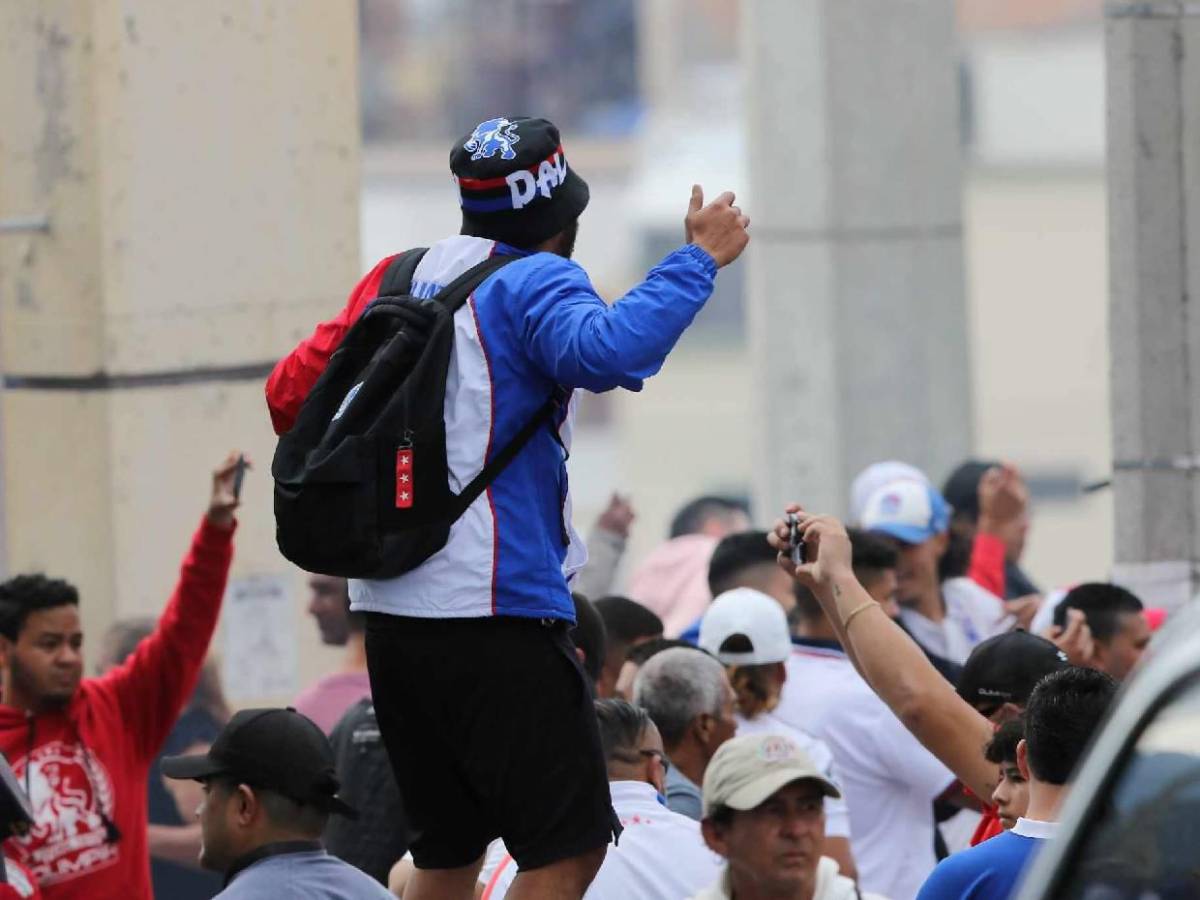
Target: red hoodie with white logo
(85, 767)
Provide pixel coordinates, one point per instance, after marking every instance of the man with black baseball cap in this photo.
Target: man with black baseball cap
(269, 788)
(471, 647)
(1002, 672)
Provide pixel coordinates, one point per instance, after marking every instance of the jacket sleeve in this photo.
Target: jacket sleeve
(605, 549)
(155, 682)
(578, 341)
(294, 375)
(986, 567)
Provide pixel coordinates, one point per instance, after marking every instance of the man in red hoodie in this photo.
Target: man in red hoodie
(82, 747)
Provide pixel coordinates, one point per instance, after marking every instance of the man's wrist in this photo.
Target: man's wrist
(225, 521)
(702, 256)
(991, 525)
(840, 585)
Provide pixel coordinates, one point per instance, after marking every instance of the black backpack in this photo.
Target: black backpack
(361, 486)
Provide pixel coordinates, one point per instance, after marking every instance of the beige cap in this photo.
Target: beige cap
(746, 771)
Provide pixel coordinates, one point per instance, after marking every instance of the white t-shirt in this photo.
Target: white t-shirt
(890, 780)
(973, 614)
(837, 816)
(660, 856)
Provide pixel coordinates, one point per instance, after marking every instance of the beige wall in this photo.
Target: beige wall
(1038, 280)
(200, 167)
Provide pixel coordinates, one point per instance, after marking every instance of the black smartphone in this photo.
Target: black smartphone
(238, 475)
(795, 541)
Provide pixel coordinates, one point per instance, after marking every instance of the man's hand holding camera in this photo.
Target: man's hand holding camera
(826, 549)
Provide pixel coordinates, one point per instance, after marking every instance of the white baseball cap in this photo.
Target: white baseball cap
(875, 476)
(746, 770)
(908, 511)
(752, 614)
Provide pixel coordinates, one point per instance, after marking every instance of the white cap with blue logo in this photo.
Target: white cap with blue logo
(906, 510)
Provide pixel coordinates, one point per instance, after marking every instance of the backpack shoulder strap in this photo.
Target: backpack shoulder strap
(397, 277)
(455, 294)
(546, 415)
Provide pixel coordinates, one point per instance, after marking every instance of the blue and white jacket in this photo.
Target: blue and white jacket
(530, 327)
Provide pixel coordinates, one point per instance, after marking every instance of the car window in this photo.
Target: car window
(1144, 843)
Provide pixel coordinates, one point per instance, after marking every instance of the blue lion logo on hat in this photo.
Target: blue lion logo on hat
(492, 136)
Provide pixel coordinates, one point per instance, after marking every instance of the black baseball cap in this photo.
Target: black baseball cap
(961, 489)
(514, 184)
(274, 749)
(1005, 668)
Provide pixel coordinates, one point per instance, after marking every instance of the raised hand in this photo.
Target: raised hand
(224, 498)
(719, 228)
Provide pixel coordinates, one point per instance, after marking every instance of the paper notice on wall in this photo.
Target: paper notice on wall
(259, 660)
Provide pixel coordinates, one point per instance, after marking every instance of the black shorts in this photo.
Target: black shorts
(491, 731)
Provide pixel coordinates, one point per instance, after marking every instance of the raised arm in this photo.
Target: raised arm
(575, 339)
(890, 661)
(155, 682)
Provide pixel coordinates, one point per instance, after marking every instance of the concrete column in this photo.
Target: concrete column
(198, 166)
(1154, 335)
(857, 314)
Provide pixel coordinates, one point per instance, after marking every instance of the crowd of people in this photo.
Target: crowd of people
(893, 709)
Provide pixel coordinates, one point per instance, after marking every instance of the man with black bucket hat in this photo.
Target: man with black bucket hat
(480, 698)
(269, 788)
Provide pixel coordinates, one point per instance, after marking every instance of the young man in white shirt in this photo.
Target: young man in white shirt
(661, 855)
(947, 618)
(764, 813)
(747, 631)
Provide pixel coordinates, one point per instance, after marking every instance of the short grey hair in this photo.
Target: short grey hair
(677, 685)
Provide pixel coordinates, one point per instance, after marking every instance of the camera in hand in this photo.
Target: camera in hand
(795, 541)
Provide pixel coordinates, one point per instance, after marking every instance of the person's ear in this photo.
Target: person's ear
(245, 805)
(714, 837)
(6, 650)
(941, 543)
(1006, 713)
(779, 674)
(1023, 758)
(652, 774)
(702, 727)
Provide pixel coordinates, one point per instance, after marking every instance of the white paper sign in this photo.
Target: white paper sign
(260, 658)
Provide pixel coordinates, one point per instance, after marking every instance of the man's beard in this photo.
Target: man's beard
(26, 682)
(566, 239)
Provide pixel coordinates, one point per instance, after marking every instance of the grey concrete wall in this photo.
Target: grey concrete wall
(858, 327)
(1154, 214)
